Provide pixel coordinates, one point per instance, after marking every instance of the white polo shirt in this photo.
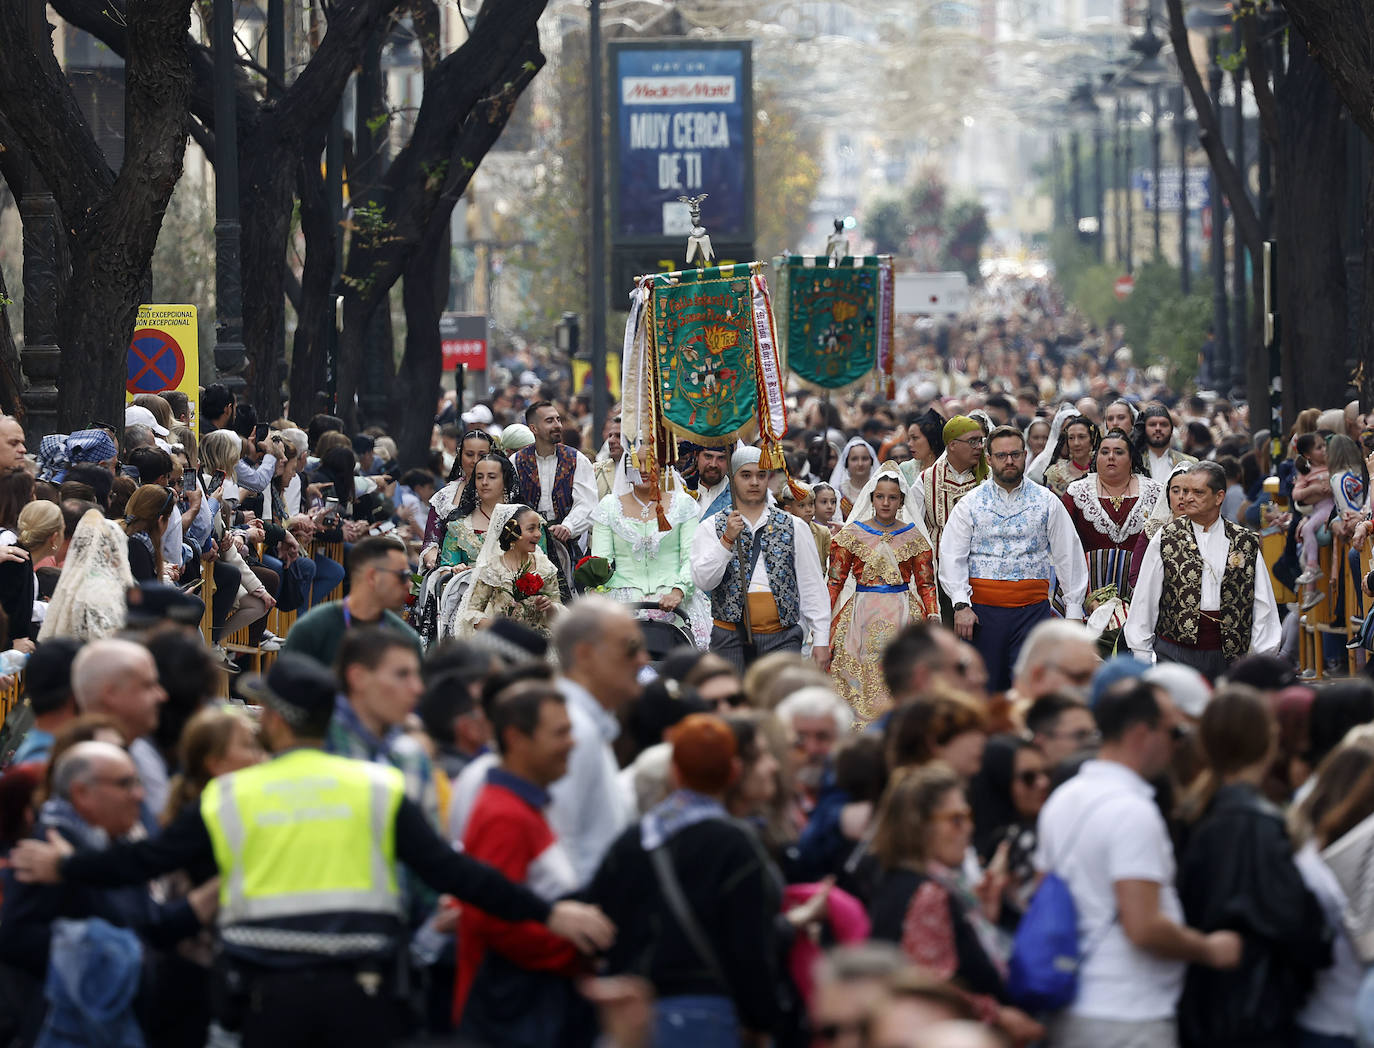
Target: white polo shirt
(1100, 827)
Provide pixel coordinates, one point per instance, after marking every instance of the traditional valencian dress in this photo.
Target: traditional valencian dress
(491, 593)
(1110, 529)
(649, 563)
(894, 575)
(1063, 473)
(942, 487)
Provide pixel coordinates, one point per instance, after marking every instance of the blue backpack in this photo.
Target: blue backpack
(1042, 974)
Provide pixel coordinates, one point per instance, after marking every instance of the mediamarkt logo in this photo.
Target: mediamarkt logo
(676, 90)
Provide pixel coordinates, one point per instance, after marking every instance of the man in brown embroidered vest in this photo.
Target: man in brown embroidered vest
(1203, 597)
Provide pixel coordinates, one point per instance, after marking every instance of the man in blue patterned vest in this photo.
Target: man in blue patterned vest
(785, 597)
(997, 553)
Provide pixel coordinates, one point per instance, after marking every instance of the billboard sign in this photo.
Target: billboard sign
(682, 124)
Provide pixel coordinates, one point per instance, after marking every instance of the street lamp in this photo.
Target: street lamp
(1082, 112)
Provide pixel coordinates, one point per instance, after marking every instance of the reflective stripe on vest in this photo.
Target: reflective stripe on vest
(307, 833)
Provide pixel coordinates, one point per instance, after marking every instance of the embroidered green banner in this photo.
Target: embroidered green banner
(833, 320)
(705, 351)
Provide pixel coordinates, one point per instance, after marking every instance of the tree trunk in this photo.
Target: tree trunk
(1309, 183)
(267, 192)
(1339, 35)
(11, 379)
(469, 97)
(316, 311)
(113, 222)
(418, 378)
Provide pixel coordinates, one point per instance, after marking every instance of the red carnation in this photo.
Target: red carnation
(528, 584)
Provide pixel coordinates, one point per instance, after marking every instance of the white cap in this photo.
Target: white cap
(745, 456)
(1187, 687)
(480, 415)
(134, 415)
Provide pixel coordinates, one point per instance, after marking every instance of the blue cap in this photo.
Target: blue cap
(1117, 668)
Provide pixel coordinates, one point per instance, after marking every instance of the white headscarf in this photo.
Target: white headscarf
(912, 510)
(839, 477)
(1036, 470)
(1162, 514)
(91, 599)
(490, 554)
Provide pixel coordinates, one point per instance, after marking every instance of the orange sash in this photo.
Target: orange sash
(763, 615)
(1010, 593)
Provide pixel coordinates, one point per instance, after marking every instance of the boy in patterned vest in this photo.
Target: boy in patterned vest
(1203, 597)
(785, 596)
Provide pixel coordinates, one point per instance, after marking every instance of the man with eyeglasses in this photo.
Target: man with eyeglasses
(1058, 656)
(1000, 547)
(379, 585)
(960, 468)
(97, 798)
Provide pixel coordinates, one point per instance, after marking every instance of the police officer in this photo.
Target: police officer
(307, 844)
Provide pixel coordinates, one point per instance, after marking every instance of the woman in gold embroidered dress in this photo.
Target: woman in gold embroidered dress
(885, 548)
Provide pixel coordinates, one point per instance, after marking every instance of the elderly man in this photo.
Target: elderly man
(785, 596)
(601, 651)
(1057, 656)
(1204, 597)
(119, 679)
(1001, 545)
(1160, 456)
(815, 719)
(96, 799)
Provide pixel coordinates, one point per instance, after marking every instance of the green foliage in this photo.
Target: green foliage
(887, 225)
(962, 226)
(1162, 325)
(966, 228)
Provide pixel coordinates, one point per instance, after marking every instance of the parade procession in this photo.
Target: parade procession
(686, 524)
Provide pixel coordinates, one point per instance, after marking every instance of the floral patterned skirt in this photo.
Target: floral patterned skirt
(864, 627)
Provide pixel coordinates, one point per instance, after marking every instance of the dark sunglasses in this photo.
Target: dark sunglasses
(1030, 779)
(734, 700)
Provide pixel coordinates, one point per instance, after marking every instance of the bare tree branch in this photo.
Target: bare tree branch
(1209, 133)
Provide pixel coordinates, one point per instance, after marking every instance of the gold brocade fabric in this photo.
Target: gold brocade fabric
(868, 621)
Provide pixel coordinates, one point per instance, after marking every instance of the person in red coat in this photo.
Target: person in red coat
(513, 983)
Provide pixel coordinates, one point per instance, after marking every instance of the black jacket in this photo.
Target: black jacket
(732, 892)
(976, 972)
(1238, 874)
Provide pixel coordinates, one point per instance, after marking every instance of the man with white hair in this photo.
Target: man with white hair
(119, 679)
(785, 597)
(1058, 655)
(815, 719)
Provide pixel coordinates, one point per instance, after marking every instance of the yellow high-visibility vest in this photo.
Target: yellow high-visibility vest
(306, 834)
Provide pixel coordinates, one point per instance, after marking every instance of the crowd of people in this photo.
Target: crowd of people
(559, 748)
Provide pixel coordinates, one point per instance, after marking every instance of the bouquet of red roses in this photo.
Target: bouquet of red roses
(591, 573)
(525, 585)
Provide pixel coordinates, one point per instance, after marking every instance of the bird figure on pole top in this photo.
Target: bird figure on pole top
(699, 242)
